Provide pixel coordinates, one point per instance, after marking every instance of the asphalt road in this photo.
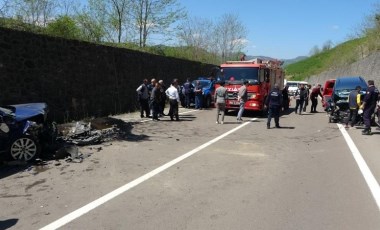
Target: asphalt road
(195, 174)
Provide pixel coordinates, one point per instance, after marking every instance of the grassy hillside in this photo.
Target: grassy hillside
(343, 54)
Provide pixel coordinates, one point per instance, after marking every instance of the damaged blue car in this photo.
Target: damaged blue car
(21, 130)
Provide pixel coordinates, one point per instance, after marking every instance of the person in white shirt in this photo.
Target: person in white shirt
(172, 94)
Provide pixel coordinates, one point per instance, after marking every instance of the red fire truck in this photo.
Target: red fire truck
(261, 76)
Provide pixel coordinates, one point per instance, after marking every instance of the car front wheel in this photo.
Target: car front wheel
(24, 148)
(208, 101)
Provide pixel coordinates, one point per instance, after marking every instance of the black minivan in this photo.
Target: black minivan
(344, 85)
(339, 108)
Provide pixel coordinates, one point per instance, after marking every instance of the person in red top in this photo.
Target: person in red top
(314, 98)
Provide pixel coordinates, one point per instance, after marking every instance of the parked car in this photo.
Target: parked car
(292, 87)
(338, 104)
(208, 88)
(21, 129)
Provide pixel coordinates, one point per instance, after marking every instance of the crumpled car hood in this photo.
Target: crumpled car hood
(26, 111)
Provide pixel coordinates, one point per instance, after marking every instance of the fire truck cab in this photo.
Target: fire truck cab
(261, 76)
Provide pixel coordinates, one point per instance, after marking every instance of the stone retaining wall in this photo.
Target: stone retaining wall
(80, 79)
(368, 68)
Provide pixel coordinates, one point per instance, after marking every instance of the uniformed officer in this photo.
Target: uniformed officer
(273, 103)
(369, 105)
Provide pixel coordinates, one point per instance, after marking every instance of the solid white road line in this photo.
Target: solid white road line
(94, 204)
(366, 172)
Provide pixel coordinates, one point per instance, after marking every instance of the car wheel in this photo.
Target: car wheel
(24, 148)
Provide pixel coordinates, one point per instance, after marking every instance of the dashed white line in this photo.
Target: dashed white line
(365, 170)
(94, 204)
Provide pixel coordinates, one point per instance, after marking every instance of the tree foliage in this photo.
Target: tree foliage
(154, 17)
(65, 27)
(36, 12)
(230, 36)
(133, 24)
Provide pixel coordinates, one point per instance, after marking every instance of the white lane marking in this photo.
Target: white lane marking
(366, 172)
(94, 204)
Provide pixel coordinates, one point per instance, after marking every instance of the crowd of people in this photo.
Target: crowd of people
(153, 97)
(365, 106)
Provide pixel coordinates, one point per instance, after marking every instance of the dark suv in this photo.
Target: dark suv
(338, 105)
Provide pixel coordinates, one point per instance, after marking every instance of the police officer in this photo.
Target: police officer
(274, 102)
(369, 105)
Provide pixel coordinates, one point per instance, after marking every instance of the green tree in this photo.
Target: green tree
(109, 15)
(91, 30)
(155, 17)
(65, 27)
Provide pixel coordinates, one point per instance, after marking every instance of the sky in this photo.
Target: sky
(286, 29)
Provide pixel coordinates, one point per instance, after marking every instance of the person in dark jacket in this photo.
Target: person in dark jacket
(354, 104)
(143, 98)
(285, 98)
(274, 103)
(163, 98)
(155, 100)
(369, 105)
(300, 96)
(315, 92)
(188, 89)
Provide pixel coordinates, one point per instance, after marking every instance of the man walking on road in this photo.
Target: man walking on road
(220, 101)
(242, 98)
(274, 102)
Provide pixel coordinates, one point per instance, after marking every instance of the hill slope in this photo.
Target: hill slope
(343, 54)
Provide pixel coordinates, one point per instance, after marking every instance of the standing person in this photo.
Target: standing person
(155, 100)
(377, 111)
(220, 101)
(300, 96)
(143, 97)
(274, 102)
(316, 91)
(285, 98)
(354, 104)
(150, 88)
(188, 89)
(163, 98)
(307, 88)
(369, 105)
(242, 98)
(172, 94)
(198, 91)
